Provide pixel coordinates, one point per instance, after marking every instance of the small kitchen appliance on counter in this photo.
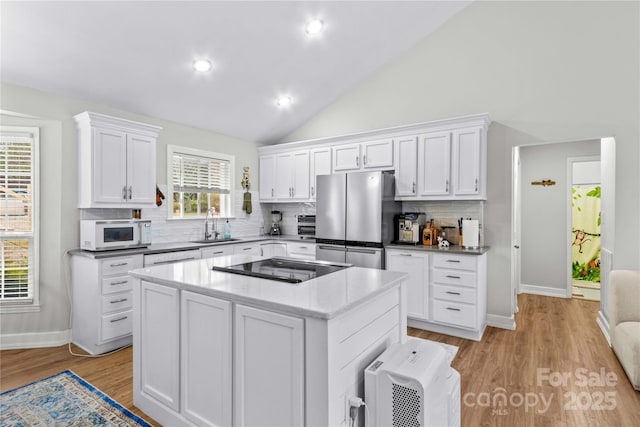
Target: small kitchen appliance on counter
(470, 233)
(104, 234)
(409, 227)
(276, 219)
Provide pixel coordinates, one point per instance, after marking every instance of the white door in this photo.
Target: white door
(346, 157)
(109, 166)
(406, 150)
(607, 226)
(160, 344)
(516, 220)
(320, 164)
(206, 376)
(283, 175)
(377, 154)
(268, 368)
(466, 162)
(416, 264)
(267, 177)
(141, 170)
(300, 176)
(434, 157)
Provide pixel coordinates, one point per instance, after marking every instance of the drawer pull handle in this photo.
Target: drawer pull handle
(453, 277)
(453, 293)
(302, 247)
(453, 309)
(405, 254)
(247, 249)
(218, 252)
(119, 319)
(453, 260)
(122, 282)
(118, 300)
(119, 264)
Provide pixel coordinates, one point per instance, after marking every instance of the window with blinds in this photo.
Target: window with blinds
(18, 214)
(198, 181)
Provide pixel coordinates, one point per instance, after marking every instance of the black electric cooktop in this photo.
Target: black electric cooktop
(283, 269)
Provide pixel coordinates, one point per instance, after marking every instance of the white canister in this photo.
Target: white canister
(470, 233)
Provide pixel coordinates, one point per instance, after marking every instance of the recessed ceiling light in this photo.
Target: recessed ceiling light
(284, 101)
(202, 65)
(314, 27)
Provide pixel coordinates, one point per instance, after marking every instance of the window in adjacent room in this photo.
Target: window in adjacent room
(19, 214)
(199, 180)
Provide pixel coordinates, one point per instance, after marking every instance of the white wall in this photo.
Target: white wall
(59, 215)
(544, 214)
(545, 72)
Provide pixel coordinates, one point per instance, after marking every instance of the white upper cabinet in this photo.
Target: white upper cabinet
(468, 162)
(406, 166)
(376, 154)
(434, 155)
(267, 177)
(117, 162)
(292, 175)
(319, 164)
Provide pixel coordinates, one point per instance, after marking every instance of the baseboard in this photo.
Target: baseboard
(34, 340)
(543, 290)
(603, 323)
(504, 322)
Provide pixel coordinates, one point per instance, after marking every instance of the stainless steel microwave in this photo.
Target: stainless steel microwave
(104, 235)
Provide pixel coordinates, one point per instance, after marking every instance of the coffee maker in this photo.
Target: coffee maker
(276, 218)
(409, 227)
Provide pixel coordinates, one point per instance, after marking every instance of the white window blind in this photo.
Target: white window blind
(18, 214)
(199, 182)
(197, 174)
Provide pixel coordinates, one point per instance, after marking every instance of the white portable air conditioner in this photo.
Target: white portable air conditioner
(413, 385)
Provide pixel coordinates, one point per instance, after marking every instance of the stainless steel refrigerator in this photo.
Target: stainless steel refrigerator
(354, 217)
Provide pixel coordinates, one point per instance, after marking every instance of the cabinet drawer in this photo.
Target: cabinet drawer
(301, 250)
(111, 285)
(116, 325)
(119, 266)
(456, 314)
(171, 257)
(117, 302)
(458, 262)
(454, 293)
(216, 251)
(453, 277)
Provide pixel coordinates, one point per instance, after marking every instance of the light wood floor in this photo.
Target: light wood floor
(553, 334)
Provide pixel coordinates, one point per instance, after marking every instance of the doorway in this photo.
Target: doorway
(584, 192)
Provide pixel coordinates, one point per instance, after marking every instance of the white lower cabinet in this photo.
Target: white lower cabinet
(159, 345)
(416, 264)
(301, 250)
(205, 361)
(273, 249)
(247, 249)
(272, 343)
(446, 292)
(102, 318)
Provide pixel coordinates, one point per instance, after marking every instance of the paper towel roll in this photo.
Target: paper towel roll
(470, 233)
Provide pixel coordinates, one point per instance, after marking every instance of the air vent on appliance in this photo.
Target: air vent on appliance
(406, 407)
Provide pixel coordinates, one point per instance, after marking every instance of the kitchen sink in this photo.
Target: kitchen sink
(213, 241)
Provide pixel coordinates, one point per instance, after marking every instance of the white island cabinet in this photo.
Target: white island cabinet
(213, 348)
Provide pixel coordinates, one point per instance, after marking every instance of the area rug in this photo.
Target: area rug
(63, 399)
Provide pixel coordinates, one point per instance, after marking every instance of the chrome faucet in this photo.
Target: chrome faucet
(210, 213)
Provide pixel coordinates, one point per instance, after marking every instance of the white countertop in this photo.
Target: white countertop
(324, 297)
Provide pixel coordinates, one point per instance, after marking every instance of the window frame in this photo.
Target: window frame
(31, 304)
(175, 149)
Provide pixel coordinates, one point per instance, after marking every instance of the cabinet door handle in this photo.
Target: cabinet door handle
(119, 319)
(413, 190)
(272, 192)
(293, 191)
(119, 264)
(313, 191)
(447, 186)
(453, 309)
(118, 300)
(476, 184)
(218, 252)
(357, 161)
(124, 192)
(122, 282)
(129, 192)
(453, 277)
(453, 260)
(302, 247)
(453, 293)
(247, 249)
(406, 255)
(364, 160)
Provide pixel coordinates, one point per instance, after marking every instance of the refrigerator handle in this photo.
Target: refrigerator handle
(363, 251)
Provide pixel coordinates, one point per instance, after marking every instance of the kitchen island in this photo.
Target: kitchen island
(214, 348)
